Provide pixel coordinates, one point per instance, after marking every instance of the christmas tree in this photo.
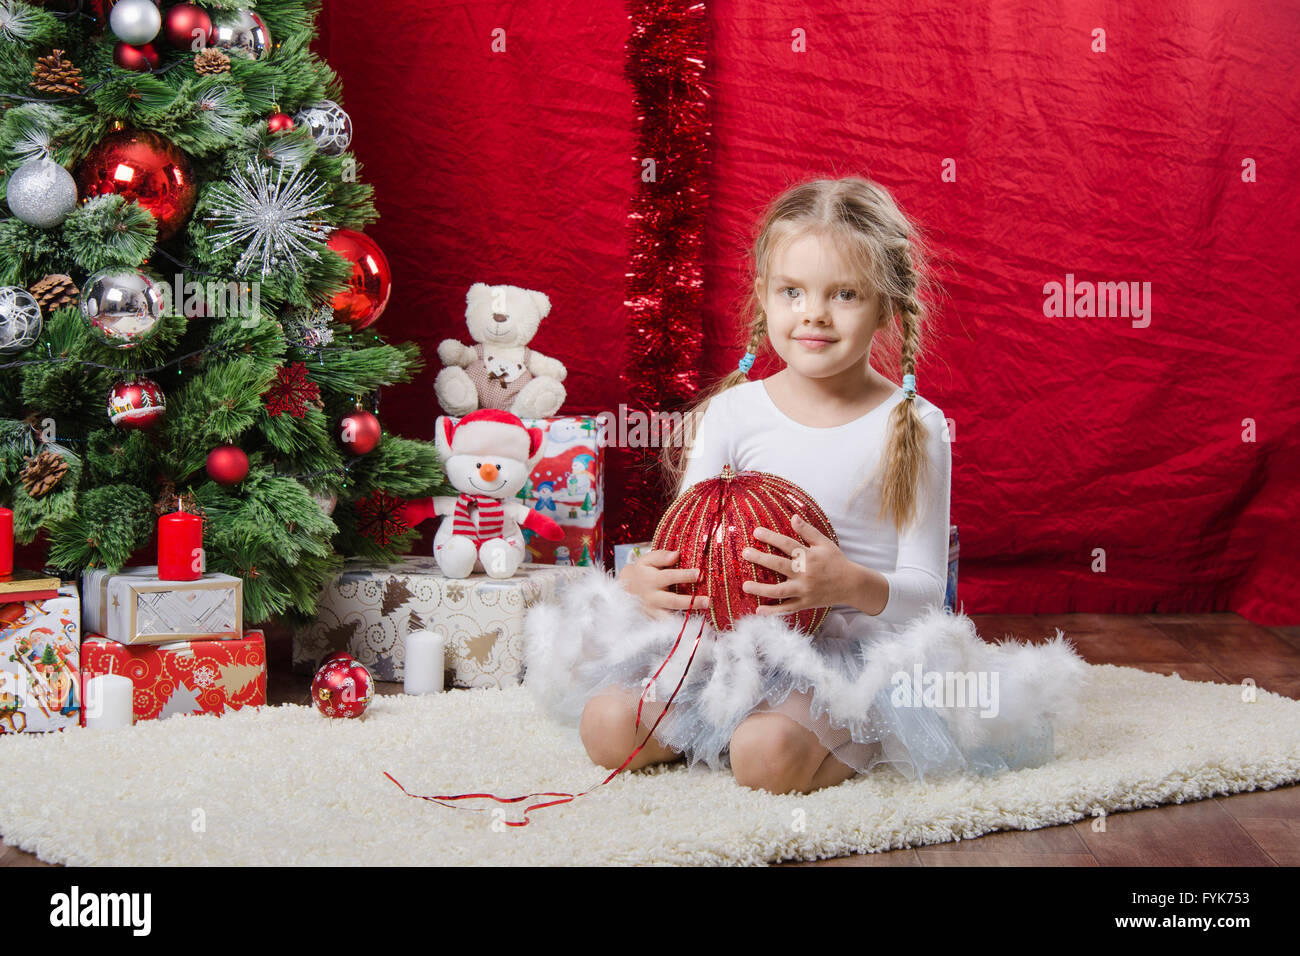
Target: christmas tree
(188, 299)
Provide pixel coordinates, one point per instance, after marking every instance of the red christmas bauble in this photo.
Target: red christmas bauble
(370, 284)
(279, 122)
(136, 403)
(359, 432)
(187, 27)
(736, 503)
(143, 166)
(227, 464)
(335, 656)
(342, 689)
(142, 58)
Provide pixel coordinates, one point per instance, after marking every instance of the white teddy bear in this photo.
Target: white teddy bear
(500, 371)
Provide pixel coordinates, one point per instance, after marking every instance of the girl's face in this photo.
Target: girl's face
(820, 319)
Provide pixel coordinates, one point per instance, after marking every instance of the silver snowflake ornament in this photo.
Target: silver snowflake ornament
(310, 328)
(274, 216)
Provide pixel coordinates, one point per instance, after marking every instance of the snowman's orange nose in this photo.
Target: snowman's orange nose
(488, 472)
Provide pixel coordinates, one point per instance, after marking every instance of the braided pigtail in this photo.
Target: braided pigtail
(676, 451)
(905, 457)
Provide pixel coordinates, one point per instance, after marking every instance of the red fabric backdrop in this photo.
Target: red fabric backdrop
(1071, 434)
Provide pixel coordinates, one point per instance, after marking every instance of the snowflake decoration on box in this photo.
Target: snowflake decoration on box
(310, 329)
(204, 676)
(380, 517)
(275, 219)
(292, 391)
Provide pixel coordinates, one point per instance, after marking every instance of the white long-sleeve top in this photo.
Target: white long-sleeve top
(743, 427)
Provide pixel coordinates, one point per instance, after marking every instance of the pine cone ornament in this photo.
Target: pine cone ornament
(55, 291)
(43, 473)
(56, 74)
(211, 61)
(169, 501)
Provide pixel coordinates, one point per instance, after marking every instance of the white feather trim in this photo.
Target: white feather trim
(571, 643)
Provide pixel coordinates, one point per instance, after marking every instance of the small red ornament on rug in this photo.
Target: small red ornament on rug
(711, 523)
(342, 688)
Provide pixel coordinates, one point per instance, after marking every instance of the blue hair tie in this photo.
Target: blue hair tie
(909, 385)
(747, 362)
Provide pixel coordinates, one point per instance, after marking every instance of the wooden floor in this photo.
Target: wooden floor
(1249, 829)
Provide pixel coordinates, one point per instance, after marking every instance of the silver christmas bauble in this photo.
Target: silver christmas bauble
(42, 193)
(308, 328)
(329, 126)
(135, 21)
(241, 33)
(121, 307)
(20, 319)
(326, 501)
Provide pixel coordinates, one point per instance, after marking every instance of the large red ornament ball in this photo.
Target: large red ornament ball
(142, 58)
(359, 432)
(342, 689)
(735, 503)
(227, 464)
(370, 284)
(187, 27)
(136, 403)
(143, 166)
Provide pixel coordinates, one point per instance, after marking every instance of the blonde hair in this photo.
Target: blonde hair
(888, 253)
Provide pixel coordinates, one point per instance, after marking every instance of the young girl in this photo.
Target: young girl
(835, 263)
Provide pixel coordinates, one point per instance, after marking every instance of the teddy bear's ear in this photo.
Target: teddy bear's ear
(542, 303)
(442, 432)
(476, 293)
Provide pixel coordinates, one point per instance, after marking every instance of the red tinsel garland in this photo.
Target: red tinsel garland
(665, 64)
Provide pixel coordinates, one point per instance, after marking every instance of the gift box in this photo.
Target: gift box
(950, 590)
(368, 610)
(184, 677)
(625, 554)
(132, 606)
(568, 485)
(40, 688)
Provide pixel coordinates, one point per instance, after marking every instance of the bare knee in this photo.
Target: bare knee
(772, 752)
(606, 730)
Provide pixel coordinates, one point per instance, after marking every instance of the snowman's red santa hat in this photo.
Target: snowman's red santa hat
(491, 431)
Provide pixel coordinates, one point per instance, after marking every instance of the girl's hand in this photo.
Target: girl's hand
(818, 574)
(650, 576)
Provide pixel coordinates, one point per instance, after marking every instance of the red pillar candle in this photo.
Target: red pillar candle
(6, 541)
(180, 547)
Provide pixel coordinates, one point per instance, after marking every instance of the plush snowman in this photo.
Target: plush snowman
(487, 456)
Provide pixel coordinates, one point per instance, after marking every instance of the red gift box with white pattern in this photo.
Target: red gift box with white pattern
(183, 677)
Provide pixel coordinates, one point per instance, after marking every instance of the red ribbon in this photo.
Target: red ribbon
(569, 797)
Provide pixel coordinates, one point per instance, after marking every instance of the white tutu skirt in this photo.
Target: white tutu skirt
(930, 699)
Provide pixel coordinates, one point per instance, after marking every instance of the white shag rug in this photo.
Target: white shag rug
(286, 786)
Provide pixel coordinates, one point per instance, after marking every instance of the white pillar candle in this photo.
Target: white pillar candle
(108, 701)
(422, 672)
